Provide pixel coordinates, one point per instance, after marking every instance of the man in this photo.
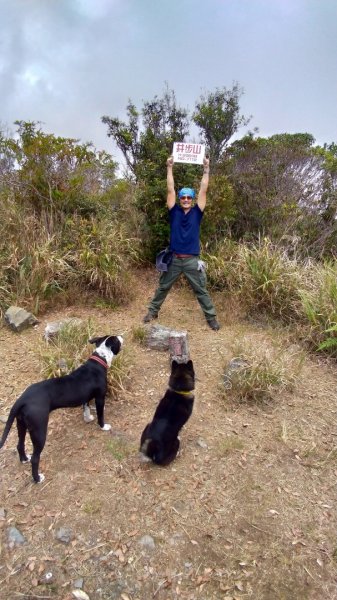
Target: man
(185, 222)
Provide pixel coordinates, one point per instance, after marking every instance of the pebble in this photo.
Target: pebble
(147, 542)
(15, 538)
(64, 534)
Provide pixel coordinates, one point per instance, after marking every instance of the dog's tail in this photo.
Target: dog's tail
(11, 417)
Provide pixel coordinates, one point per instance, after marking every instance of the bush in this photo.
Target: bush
(319, 305)
(257, 373)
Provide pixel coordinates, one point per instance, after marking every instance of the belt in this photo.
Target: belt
(182, 255)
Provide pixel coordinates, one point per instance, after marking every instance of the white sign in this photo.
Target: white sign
(183, 152)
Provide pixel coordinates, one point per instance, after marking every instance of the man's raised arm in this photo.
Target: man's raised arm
(201, 201)
(171, 193)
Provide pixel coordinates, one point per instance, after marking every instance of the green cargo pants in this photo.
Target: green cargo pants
(196, 279)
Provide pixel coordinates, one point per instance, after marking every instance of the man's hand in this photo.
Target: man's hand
(170, 161)
(206, 165)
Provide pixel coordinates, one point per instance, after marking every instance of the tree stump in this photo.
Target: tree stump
(163, 338)
(178, 346)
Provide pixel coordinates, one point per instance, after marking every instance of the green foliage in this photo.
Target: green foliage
(220, 213)
(146, 140)
(53, 174)
(261, 275)
(279, 185)
(217, 114)
(319, 305)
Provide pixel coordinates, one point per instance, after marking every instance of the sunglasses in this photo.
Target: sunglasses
(185, 197)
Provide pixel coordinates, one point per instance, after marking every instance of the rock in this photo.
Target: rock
(64, 535)
(80, 595)
(15, 538)
(201, 443)
(53, 328)
(235, 365)
(18, 318)
(2, 513)
(158, 337)
(3, 418)
(147, 542)
(163, 338)
(78, 583)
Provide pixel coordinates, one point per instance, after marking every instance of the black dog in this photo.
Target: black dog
(32, 409)
(159, 441)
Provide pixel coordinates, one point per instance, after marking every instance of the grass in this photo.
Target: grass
(229, 444)
(139, 334)
(257, 372)
(120, 449)
(70, 348)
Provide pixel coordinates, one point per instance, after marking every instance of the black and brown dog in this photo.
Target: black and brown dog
(31, 410)
(159, 441)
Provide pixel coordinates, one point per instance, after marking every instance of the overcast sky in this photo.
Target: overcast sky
(67, 63)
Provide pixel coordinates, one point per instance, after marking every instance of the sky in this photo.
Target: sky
(67, 63)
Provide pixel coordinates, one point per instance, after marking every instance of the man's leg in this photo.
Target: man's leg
(166, 281)
(198, 280)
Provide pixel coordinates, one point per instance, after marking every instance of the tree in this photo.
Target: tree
(217, 114)
(53, 173)
(281, 187)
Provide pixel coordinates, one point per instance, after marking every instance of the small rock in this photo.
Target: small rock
(80, 595)
(78, 583)
(64, 534)
(15, 538)
(201, 443)
(53, 328)
(3, 418)
(147, 542)
(2, 513)
(18, 318)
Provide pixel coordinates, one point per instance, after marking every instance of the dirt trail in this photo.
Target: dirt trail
(248, 510)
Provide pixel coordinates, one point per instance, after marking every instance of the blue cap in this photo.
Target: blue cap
(186, 192)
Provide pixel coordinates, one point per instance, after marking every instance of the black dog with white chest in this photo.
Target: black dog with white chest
(159, 441)
(31, 410)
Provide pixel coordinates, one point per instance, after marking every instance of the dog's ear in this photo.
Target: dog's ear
(189, 364)
(97, 340)
(174, 365)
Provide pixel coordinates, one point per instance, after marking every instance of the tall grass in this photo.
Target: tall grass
(63, 258)
(262, 275)
(266, 280)
(259, 372)
(319, 303)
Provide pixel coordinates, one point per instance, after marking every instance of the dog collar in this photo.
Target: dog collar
(190, 393)
(99, 360)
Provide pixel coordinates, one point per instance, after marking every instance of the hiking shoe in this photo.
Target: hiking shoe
(213, 323)
(149, 317)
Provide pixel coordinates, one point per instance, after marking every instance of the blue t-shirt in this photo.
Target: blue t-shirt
(184, 230)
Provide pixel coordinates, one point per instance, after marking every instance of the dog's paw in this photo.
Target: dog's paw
(27, 459)
(88, 418)
(41, 478)
(143, 458)
(106, 427)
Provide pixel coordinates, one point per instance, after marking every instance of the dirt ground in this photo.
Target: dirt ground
(248, 510)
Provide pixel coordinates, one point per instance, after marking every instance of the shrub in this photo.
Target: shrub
(259, 372)
(319, 305)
